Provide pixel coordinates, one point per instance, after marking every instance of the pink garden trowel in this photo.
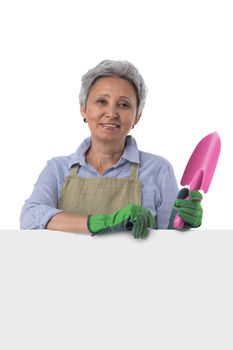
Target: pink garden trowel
(200, 168)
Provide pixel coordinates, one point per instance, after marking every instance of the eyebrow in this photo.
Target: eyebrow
(119, 96)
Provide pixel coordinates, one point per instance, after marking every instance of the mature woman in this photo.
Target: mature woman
(109, 185)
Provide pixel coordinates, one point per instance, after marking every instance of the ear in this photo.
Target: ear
(137, 118)
(83, 111)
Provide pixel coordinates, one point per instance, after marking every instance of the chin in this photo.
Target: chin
(109, 138)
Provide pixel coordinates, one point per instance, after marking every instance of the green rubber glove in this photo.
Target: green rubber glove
(133, 218)
(189, 209)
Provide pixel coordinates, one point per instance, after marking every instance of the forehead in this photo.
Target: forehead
(113, 85)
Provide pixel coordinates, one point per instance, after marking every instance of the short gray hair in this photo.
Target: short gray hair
(121, 69)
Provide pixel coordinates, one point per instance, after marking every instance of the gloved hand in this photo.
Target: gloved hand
(190, 210)
(133, 218)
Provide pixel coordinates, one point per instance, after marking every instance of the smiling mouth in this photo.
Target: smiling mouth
(110, 126)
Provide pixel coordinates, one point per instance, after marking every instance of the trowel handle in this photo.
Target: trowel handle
(178, 222)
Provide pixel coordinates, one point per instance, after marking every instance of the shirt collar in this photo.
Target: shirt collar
(130, 154)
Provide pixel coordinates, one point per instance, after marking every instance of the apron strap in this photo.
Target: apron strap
(74, 170)
(134, 171)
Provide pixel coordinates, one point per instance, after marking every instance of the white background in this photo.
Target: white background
(182, 48)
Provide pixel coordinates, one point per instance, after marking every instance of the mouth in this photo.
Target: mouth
(110, 126)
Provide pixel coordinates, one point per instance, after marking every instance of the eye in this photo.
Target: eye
(123, 105)
(101, 101)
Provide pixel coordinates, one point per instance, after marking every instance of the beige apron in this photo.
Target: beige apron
(101, 195)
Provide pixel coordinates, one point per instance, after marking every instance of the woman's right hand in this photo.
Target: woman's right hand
(134, 218)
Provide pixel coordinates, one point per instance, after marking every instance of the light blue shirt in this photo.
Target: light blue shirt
(159, 185)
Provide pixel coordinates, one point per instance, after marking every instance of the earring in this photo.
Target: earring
(85, 120)
(132, 127)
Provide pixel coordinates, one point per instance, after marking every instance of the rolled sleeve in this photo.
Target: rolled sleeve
(41, 206)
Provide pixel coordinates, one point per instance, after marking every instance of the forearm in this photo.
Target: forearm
(69, 222)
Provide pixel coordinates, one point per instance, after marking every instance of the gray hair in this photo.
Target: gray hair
(121, 69)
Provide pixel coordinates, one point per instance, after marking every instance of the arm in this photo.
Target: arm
(40, 209)
(69, 222)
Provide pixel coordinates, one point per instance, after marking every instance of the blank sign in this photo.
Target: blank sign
(73, 291)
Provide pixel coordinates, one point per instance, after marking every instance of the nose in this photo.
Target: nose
(111, 111)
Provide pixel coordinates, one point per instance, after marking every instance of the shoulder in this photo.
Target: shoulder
(60, 165)
(156, 161)
(60, 161)
(155, 167)
(156, 173)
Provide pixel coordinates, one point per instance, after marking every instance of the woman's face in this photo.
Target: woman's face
(111, 109)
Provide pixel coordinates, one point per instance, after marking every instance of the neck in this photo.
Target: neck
(104, 155)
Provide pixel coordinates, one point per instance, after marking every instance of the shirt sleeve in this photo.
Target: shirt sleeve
(41, 206)
(168, 195)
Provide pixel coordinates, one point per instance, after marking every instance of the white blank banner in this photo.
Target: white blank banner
(72, 291)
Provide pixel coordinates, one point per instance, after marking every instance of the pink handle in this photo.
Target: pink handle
(178, 222)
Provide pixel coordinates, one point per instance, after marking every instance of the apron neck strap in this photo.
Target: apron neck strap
(74, 169)
(134, 171)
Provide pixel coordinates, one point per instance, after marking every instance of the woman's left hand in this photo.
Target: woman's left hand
(190, 209)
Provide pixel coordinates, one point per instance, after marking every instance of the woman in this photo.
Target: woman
(108, 185)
